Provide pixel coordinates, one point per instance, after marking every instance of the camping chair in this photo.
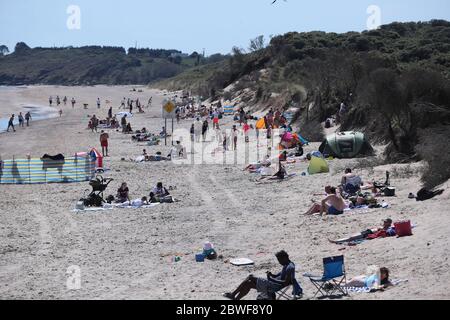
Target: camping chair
(333, 277)
(297, 292)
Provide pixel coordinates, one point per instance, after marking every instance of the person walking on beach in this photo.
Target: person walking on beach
(122, 104)
(110, 113)
(198, 129)
(21, 120)
(65, 100)
(28, 118)
(58, 101)
(234, 135)
(131, 106)
(104, 143)
(11, 124)
(98, 103)
(205, 129)
(73, 102)
(60, 113)
(94, 122)
(50, 101)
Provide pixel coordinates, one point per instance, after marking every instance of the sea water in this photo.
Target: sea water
(37, 113)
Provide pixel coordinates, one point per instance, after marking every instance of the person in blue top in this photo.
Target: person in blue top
(371, 281)
(267, 287)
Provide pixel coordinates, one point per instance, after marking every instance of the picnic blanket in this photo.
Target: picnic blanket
(108, 206)
(394, 283)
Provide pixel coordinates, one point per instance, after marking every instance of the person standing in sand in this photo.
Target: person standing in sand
(50, 101)
(28, 118)
(110, 113)
(11, 124)
(98, 103)
(73, 102)
(65, 100)
(21, 120)
(104, 143)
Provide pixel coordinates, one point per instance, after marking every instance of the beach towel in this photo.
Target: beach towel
(125, 205)
(394, 283)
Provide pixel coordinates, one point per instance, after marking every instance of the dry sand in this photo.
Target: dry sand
(128, 254)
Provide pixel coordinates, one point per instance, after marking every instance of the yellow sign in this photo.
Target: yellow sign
(169, 107)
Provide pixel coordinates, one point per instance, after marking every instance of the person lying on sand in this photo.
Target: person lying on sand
(255, 166)
(123, 193)
(333, 204)
(387, 228)
(373, 281)
(269, 286)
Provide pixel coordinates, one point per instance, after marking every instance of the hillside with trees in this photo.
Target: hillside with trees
(92, 65)
(395, 81)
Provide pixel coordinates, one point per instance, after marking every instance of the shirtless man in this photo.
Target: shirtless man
(333, 204)
(104, 143)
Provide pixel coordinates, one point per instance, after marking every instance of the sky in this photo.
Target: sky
(193, 25)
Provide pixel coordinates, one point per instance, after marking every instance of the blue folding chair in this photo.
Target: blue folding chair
(297, 292)
(333, 279)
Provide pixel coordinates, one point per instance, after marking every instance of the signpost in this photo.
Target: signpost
(168, 110)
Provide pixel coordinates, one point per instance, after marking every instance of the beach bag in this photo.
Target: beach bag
(403, 228)
(389, 192)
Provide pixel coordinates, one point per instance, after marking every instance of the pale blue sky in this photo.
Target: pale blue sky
(188, 25)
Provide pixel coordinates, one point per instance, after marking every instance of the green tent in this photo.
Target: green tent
(346, 145)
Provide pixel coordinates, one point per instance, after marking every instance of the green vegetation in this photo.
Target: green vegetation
(92, 65)
(395, 81)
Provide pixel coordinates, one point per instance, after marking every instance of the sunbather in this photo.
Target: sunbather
(333, 204)
(371, 281)
(387, 229)
(350, 182)
(159, 193)
(255, 166)
(269, 286)
(123, 193)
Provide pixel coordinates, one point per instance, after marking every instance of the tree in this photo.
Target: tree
(257, 44)
(3, 50)
(21, 47)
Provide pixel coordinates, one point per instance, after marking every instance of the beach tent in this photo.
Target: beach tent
(261, 124)
(346, 145)
(97, 157)
(228, 109)
(318, 165)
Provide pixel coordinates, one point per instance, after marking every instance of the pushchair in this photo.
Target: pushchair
(95, 198)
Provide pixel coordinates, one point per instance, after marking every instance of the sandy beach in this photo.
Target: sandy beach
(129, 254)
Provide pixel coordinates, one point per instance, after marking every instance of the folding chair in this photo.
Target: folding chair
(297, 292)
(332, 279)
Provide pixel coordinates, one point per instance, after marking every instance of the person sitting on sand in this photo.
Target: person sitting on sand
(123, 193)
(159, 193)
(333, 204)
(269, 286)
(128, 128)
(373, 281)
(350, 182)
(281, 173)
(145, 155)
(387, 229)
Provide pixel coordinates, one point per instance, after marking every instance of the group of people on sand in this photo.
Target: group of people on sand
(64, 100)
(158, 194)
(268, 287)
(128, 104)
(348, 194)
(22, 119)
